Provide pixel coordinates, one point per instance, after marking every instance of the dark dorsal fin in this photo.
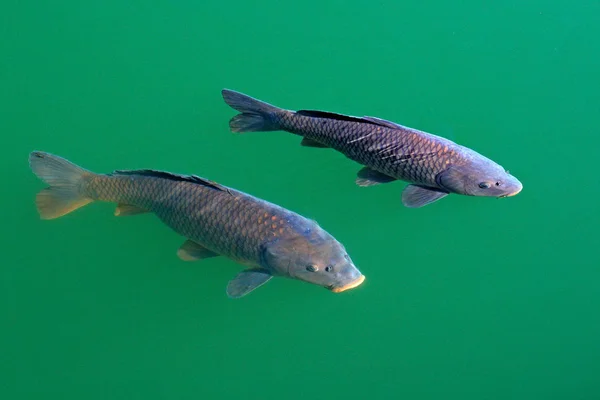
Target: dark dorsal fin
(342, 117)
(173, 177)
(384, 122)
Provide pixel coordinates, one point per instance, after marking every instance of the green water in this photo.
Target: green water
(468, 298)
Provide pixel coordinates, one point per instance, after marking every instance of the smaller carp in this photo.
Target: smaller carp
(216, 220)
(433, 165)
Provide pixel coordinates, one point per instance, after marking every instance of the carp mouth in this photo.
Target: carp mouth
(348, 286)
(513, 193)
(514, 186)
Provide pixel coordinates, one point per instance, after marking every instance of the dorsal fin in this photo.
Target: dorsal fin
(384, 122)
(342, 117)
(329, 115)
(173, 177)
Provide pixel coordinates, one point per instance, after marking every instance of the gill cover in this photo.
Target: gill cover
(454, 179)
(280, 254)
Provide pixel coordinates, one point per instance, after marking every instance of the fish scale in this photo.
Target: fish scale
(412, 157)
(224, 221)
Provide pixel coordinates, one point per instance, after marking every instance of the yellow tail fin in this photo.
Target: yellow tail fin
(66, 183)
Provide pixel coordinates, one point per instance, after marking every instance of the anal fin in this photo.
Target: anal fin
(192, 251)
(123, 210)
(306, 142)
(370, 177)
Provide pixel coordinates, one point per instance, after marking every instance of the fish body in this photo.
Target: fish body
(216, 220)
(434, 166)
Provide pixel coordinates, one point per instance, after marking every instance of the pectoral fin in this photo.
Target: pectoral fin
(415, 196)
(306, 142)
(246, 281)
(370, 177)
(192, 251)
(123, 210)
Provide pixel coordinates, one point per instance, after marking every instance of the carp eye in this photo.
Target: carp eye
(329, 268)
(484, 185)
(311, 268)
(498, 183)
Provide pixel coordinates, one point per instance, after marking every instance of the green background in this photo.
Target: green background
(469, 298)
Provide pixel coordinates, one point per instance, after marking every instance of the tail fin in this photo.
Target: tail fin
(256, 115)
(66, 183)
